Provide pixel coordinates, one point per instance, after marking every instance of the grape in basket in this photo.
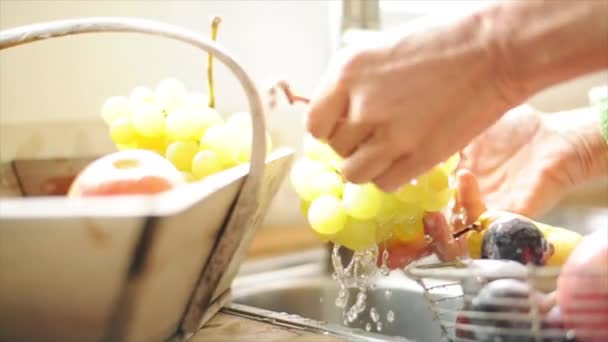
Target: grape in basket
(181, 125)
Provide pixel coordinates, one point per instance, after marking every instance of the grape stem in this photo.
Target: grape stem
(285, 88)
(215, 23)
(466, 229)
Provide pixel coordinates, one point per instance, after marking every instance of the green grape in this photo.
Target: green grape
(410, 229)
(122, 132)
(303, 176)
(326, 215)
(240, 119)
(196, 101)
(155, 144)
(411, 193)
(361, 201)
(384, 231)
(389, 209)
(327, 182)
(181, 153)
(437, 201)
(170, 94)
(116, 107)
(451, 163)
(149, 120)
(437, 192)
(206, 163)
(223, 141)
(191, 124)
(317, 150)
(141, 95)
(409, 225)
(357, 235)
(436, 179)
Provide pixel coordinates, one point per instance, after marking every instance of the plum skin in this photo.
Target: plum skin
(515, 239)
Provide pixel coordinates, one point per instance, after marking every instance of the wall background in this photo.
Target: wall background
(69, 78)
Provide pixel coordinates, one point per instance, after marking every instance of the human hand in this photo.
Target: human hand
(397, 109)
(528, 161)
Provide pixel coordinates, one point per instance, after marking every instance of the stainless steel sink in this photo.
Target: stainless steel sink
(298, 291)
(305, 294)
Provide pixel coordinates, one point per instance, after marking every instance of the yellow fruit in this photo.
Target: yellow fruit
(563, 240)
(357, 235)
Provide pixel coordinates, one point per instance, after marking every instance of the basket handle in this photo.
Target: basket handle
(247, 200)
(53, 29)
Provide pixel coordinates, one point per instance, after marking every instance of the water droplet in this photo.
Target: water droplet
(373, 313)
(368, 327)
(321, 300)
(428, 238)
(414, 181)
(387, 294)
(379, 326)
(390, 316)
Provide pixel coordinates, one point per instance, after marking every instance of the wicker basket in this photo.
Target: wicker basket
(130, 268)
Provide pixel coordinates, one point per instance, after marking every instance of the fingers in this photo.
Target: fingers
(468, 196)
(444, 245)
(399, 172)
(402, 254)
(367, 161)
(329, 104)
(348, 135)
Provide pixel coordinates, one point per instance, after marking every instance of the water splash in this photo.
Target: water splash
(390, 316)
(354, 278)
(373, 313)
(459, 217)
(384, 270)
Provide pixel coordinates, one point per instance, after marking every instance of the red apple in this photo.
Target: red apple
(129, 172)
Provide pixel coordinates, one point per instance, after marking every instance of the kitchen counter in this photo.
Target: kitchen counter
(231, 328)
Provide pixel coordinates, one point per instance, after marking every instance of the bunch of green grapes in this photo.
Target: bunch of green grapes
(359, 216)
(181, 126)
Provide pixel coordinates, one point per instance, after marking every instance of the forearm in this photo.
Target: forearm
(541, 43)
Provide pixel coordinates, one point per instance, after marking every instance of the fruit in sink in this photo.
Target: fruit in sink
(582, 288)
(132, 172)
(181, 125)
(501, 310)
(372, 216)
(514, 239)
(504, 235)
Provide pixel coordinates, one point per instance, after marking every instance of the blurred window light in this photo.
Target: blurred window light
(430, 7)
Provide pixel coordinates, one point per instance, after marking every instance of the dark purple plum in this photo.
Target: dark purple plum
(515, 239)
